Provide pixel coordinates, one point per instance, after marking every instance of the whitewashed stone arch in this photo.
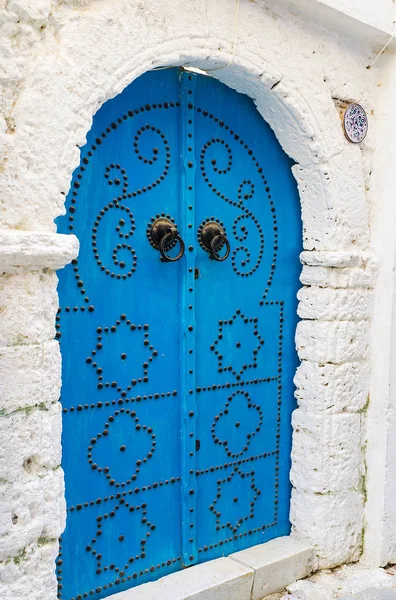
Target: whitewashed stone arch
(69, 78)
(333, 203)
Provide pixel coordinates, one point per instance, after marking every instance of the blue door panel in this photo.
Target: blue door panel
(231, 511)
(177, 377)
(246, 183)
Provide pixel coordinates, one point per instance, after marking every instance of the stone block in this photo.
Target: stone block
(30, 574)
(327, 304)
(30, 442)
(28, 305)
(339, 277)
(36, 373)
(31, 509)
(35, 250)
(275, 110)
(326, 452)
(343, 230)
(329, 388)
(223, 579)
(332, 523)
(276, 564)
(334, 342)
(334, 258)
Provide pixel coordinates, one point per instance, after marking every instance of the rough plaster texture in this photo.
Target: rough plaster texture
(62, 60)
(371, 20)
(363, 11)
(30, 574)
(326, 452)
(380, 527)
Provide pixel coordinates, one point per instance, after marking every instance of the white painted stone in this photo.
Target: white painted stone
(331, 522)
(33, 442)
(36, 370)
(223, 579)
(327, 179)
(326, 454)
(363, 11)
(334, 341)
(361, 19)
(35, 249)
(276, 564)
(380, 513)
(339, 259)
(190, 35)
(30, 574)
(28, 305)
(334, 277)
(31, 509)
(332, 388)
(332, 305)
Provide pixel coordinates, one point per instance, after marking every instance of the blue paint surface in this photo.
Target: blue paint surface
(177, 377)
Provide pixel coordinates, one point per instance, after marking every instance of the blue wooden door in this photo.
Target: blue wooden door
(177, 376)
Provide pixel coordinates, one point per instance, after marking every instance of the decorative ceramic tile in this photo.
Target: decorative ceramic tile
(355, 123)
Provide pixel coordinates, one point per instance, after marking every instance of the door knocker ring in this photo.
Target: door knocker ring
(163, 235)
(169, 237)
(216, 244)
(212, 238)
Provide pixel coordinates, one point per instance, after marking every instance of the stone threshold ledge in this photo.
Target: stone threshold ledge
(251, 574)
(35, 250)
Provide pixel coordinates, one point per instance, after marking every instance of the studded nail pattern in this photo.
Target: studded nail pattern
(177, 377)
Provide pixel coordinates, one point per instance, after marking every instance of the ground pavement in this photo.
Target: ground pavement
(351, 582)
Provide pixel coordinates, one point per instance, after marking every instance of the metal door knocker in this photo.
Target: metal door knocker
(163, 236)
(212, 238)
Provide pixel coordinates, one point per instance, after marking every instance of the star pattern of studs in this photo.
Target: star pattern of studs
(112, 180)
(220, 347)
(225, 501)
(139, 513)
(135, 329)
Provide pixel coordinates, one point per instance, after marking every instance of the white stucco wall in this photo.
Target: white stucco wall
(62, 61)
(377, 14)
(380, 529)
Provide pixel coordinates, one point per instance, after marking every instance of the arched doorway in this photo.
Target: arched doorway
(177, 374)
